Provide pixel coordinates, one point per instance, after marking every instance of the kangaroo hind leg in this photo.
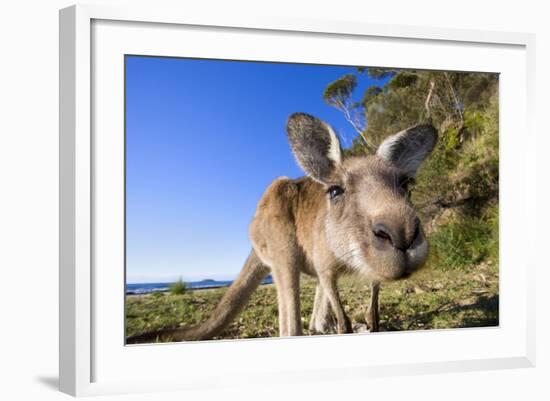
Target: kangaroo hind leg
(373, 316)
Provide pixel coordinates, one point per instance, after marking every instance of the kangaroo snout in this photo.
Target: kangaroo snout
(398, 246)
(396, 236)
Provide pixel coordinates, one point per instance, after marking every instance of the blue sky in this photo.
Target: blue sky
(204, 139)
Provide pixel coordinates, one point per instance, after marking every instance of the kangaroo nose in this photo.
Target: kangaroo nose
(401, 237)
(382, 232)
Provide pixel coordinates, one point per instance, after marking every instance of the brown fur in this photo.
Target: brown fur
(369, 229)
(289, 234)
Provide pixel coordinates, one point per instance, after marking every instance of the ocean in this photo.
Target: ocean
(146, 288)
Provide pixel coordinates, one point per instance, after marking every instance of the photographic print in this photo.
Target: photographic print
(268, 199)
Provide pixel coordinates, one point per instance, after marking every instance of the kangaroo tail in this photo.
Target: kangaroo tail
(231, 304)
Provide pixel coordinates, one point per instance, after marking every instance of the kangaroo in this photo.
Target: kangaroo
(349, 214)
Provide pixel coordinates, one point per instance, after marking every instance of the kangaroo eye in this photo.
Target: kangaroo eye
(335, 191)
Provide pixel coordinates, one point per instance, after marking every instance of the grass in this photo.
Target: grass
(466, 240)
(178, 288)
(434, 298)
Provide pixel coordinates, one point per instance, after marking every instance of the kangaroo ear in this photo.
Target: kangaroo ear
(408, 149)
(315, 146)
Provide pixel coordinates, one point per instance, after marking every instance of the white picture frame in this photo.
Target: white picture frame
(91, 356)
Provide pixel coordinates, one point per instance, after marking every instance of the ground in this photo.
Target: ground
(431, 299)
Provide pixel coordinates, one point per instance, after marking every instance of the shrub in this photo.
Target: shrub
(178, 288)
(466, 240)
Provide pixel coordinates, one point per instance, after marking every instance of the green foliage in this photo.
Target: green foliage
(452, 138)
(178, 288)
(466, 241)
(474, 121)
(476, 89)
(402, 80)
(339, 92)
(370, 94)
(380, 73)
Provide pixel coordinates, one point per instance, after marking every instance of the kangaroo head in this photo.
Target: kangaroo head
(369, 224)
